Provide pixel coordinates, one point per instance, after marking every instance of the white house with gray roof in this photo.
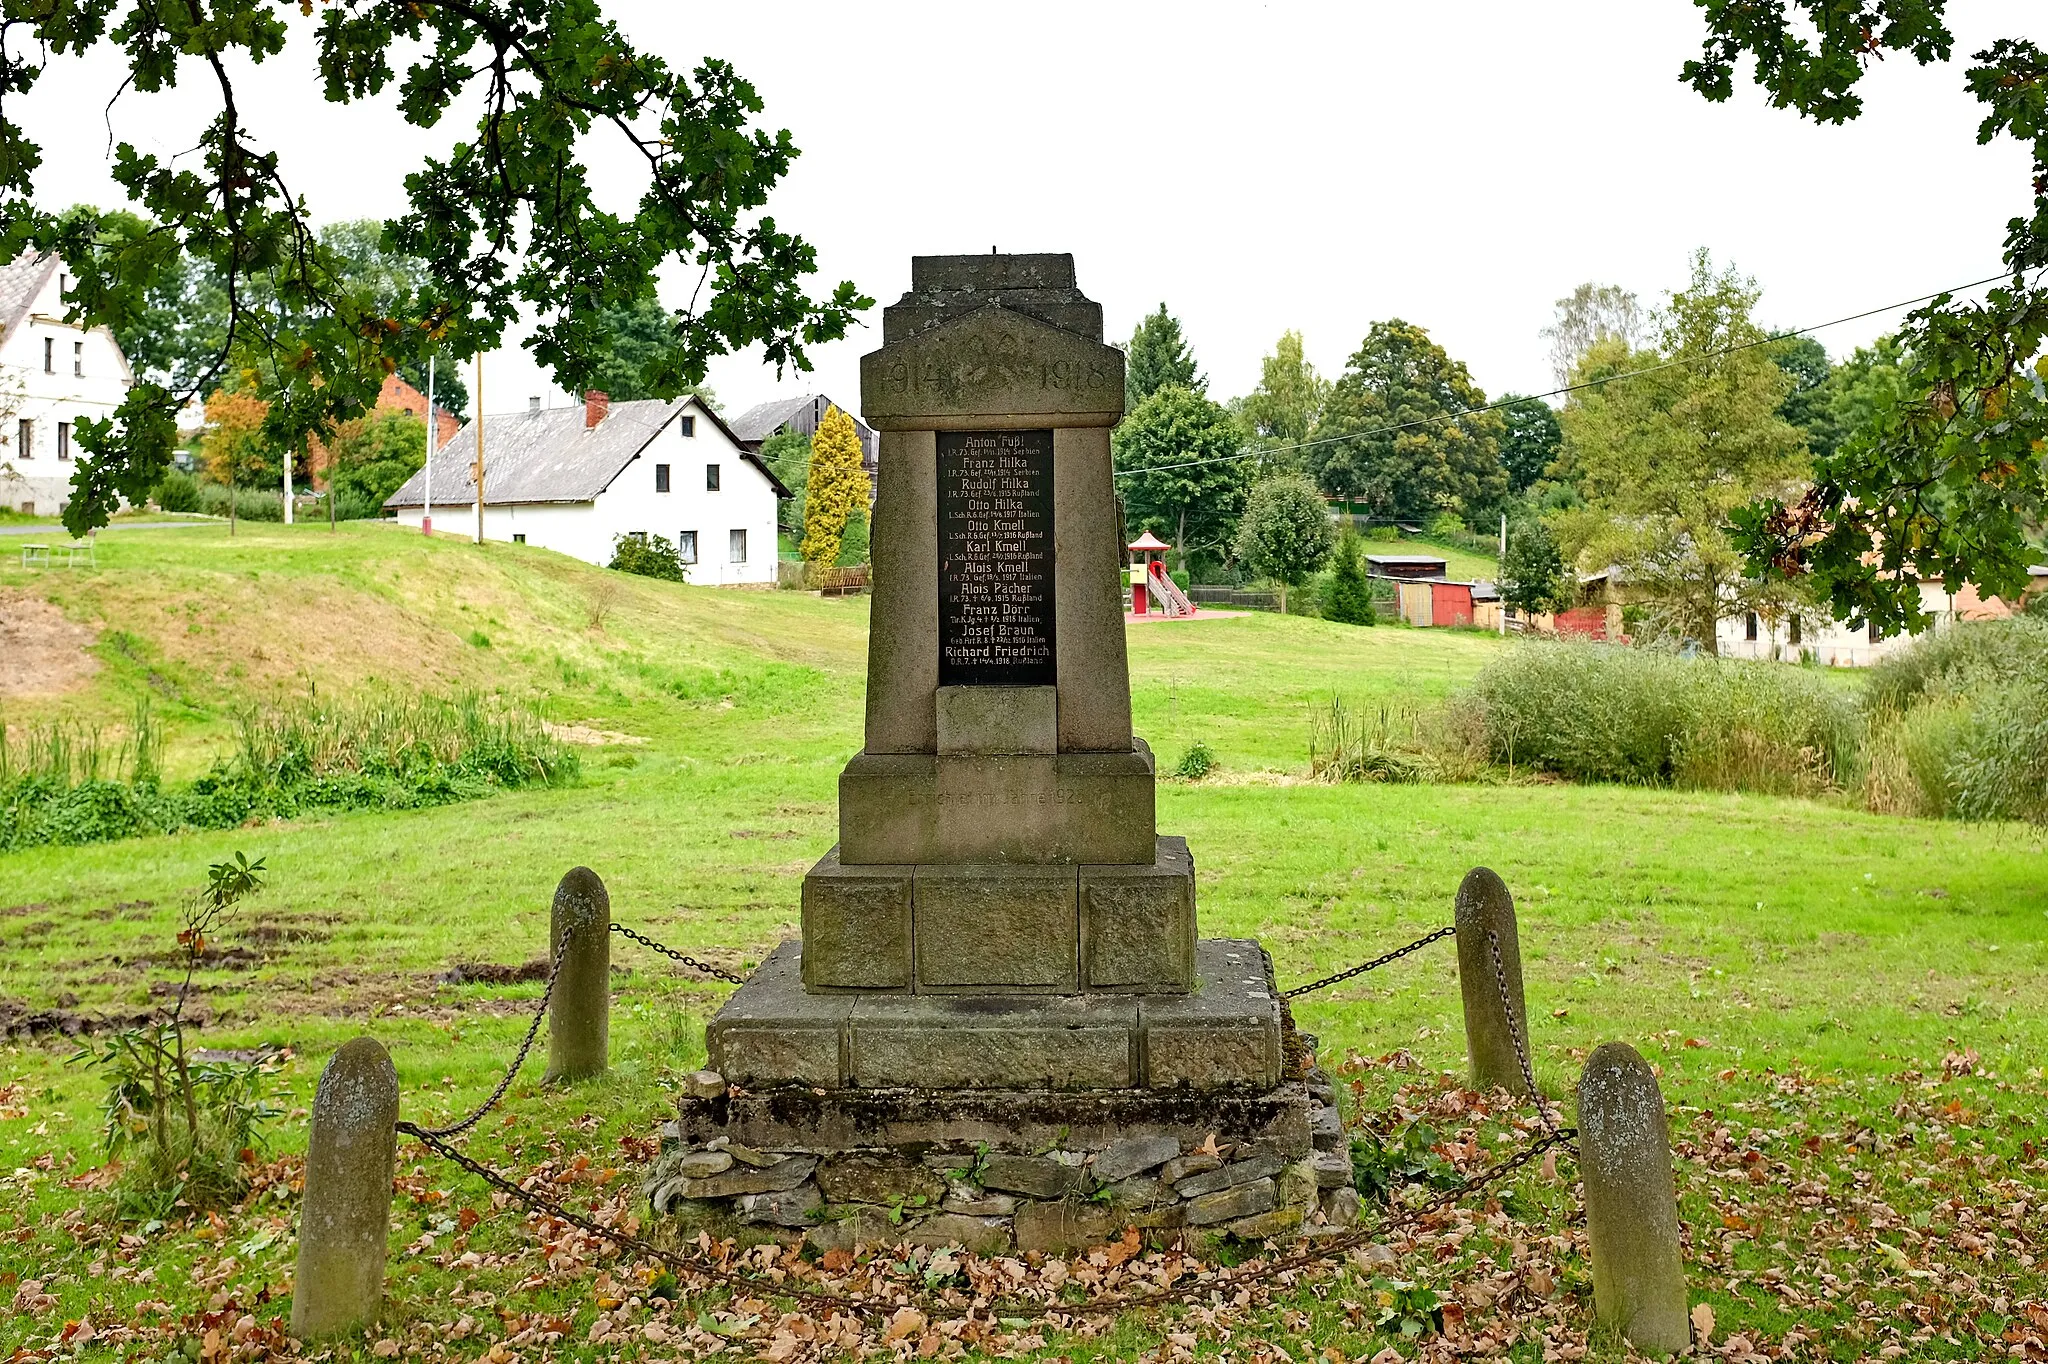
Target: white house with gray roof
(53, 375)
(574, 479)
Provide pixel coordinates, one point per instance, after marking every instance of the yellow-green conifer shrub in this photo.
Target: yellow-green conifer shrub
(838, 488)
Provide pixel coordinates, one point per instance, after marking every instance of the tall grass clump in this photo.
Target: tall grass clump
(68, 784)
(1958, 723)
(1590, 712)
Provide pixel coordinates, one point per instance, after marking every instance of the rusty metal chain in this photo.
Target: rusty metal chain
(639, 1245)
(863, 1307)
(715, 972)
(1372, 965)
(511, 1072)
(1518, 1033)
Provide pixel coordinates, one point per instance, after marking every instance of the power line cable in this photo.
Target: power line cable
(1558, 392)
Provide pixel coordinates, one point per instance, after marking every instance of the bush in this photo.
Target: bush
(1590, 712)
(1959, 724)
(249, 504)
(1196, 763)
(179, 492)
(648, 556)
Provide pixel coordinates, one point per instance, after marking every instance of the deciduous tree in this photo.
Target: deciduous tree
(1588, 315)
(1285, 534)
(1401, 431)
(1529, 440)
(372, 456)
(1283, 409)
(1668, 452)
(1176, 468)
(506, 220)
(1948, 481)
(234, 444)
(1533, 578)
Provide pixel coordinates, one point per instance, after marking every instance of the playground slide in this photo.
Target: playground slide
(1168, 592)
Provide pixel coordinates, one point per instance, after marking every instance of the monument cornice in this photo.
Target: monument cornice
(992, 369)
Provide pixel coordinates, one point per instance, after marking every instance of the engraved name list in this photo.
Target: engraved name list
(995, 558)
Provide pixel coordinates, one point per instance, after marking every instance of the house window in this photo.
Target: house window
(1793, 635)
(711, 478)
(738, 552)
(661, 478)
(25, 438)
(686, 546)
(519, 537)
(1749, 625)
(63, 440)
(49, 355)
(1875, 634)
(689, 424)
(78, 358)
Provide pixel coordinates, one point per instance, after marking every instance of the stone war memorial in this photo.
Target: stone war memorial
(1000, 1027)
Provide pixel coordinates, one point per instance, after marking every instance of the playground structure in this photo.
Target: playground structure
(1149, 579)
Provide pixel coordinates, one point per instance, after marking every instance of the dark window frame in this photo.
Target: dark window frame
(711, 478)
(689, 425)
(78, 359)
(25, 439)
(686, 546)
(63, 440)
(736, 539)
(1749, 625)
(661, 478)
(49, 355)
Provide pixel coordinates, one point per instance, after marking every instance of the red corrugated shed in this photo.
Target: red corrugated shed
(1451, 603)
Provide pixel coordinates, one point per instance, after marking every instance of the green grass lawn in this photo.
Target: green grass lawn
(1846, 1002)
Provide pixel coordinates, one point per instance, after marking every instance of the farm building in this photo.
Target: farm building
(1405, 566)
(574, 479)
(753, 427)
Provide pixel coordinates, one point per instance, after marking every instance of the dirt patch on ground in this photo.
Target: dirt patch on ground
(41, 653)
(586, 735)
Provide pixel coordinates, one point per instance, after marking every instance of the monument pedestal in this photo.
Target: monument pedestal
(999, 1027)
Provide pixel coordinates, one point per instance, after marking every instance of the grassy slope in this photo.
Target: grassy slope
(1779, 933)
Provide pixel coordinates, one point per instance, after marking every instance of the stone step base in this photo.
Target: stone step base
(1002, 928)
(1002, 1173)
(1223, 1036)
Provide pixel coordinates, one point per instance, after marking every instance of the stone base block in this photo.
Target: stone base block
(1004, 928)
(899, 808)
(1223, 1035)
(997, 1171)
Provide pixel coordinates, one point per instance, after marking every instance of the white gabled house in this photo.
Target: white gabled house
(53, 375)
(1794, 637)
(574, 479)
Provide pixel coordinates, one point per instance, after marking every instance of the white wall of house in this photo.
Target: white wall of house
(52, 376)
(1830, 641)
(744, 502)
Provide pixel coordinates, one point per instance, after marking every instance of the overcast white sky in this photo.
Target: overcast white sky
(1257, 167)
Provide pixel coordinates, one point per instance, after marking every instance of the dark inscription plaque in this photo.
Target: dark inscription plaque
(995, 559)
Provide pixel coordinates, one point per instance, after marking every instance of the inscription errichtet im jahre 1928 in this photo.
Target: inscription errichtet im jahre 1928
(995, 559)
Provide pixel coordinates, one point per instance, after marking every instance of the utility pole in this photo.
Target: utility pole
(333, 468)
(427, 515)
(476, 471)
(1503, 573)
(287, 488)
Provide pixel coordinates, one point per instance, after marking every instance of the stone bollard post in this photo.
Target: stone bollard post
(347, 1211)
(1490, 1032)
(1631, 1203)
(579, 1014)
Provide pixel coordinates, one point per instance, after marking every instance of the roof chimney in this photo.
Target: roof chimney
(595, 404)
(533, 404)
